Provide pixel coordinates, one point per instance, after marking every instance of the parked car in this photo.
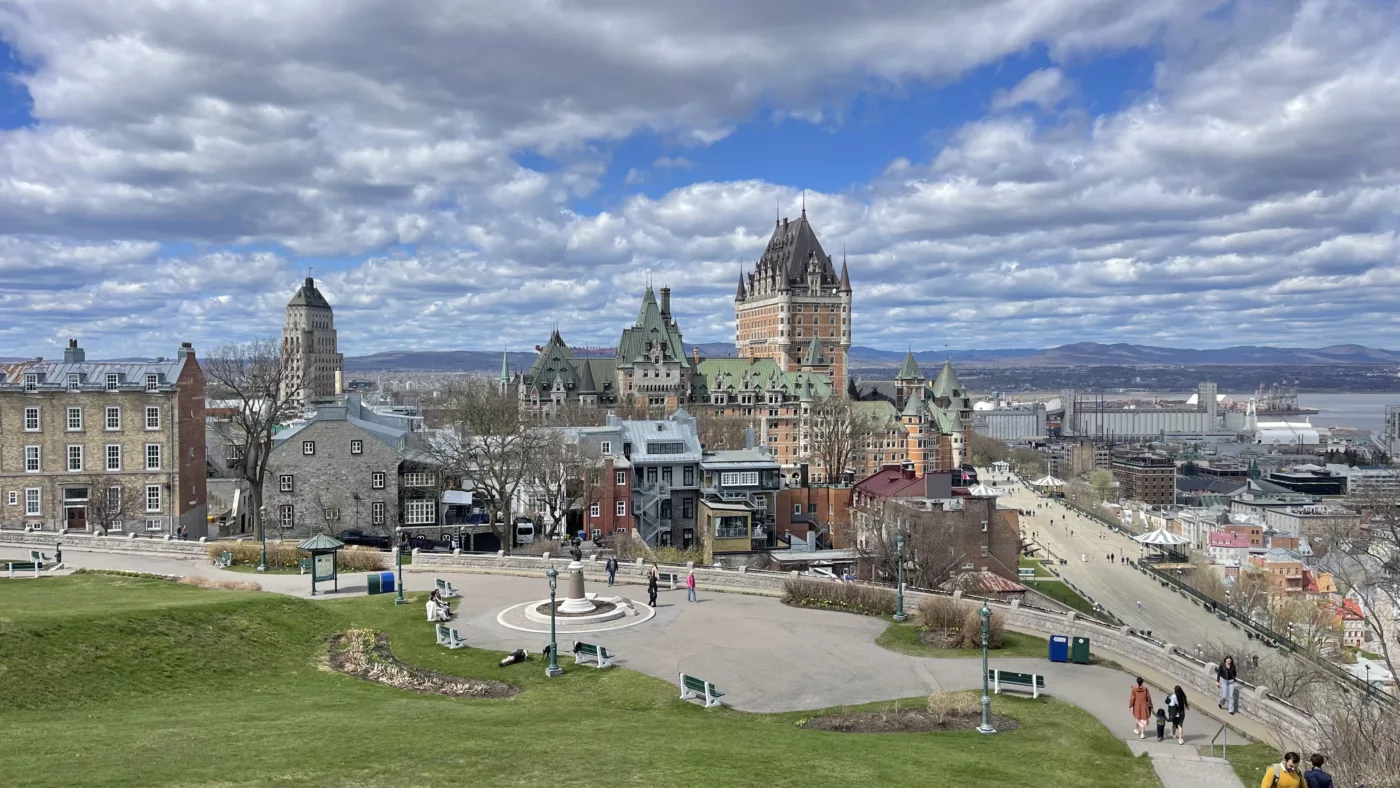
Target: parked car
(361, 539)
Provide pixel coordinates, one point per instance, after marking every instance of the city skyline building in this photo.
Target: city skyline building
(309, 346)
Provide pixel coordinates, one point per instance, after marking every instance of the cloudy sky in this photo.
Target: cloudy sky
(1006, 173)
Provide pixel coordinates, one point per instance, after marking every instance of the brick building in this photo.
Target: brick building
(1149, 478)
(117, 446)
(816, 510)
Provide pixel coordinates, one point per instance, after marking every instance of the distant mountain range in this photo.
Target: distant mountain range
(1078, 354)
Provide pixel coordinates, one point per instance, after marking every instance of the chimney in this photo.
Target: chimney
(339, 382)
(73, 354)
(666, 304)
(695, 354)
(186, 350)
(748, 437)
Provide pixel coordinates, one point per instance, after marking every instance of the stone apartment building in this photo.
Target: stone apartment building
(349, 467)
(116, 446)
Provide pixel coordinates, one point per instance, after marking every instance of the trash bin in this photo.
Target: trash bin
(1059, 648)
(381, 582)
(1079, 651)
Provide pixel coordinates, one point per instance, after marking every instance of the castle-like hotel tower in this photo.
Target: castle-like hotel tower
(309, 346)
(793, 308)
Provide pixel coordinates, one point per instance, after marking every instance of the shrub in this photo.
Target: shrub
(945, 706)
(960, 621)
(941, 612)
(285, 555)
(850, 597)
(218, 585)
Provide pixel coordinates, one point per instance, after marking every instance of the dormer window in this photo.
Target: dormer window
(112, 381)
(73, 381)
(31, 381)
(152, 382)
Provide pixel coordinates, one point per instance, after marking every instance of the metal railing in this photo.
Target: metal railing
(1223, 735)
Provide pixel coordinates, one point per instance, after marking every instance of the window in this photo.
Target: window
(666, 448)
(112, 381)
(31, 502)
(14, 498)
(666, 474)
(75, 495)
(594, 509)
(797, 508)
(75, 419)
(152, 418)
(308, 447)
(114, 502)
(607, 447)
(331, 515)
(419, 479)
(597, 534)
(739, 479)
(153, 497)
(114, 418)
(31, 459)
(284, 483)
(74, 380)
(357, 447)
(114, 457)
(984, 551)
(621, 508)
(376, 513)
(286, 516)
(155, 523)
(621, 477)
(666, 509)
(420, 512)
(152, 382)
(651, 475)
(376, 480)
(687, 508)
(689, 475)
(31, 419)
(153, 456)
(31, 381)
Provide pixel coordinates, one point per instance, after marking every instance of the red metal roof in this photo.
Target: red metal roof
(888, 482)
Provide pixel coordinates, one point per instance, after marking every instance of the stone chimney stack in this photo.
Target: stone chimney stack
(73, 354)
(666, 304)
(186, 350)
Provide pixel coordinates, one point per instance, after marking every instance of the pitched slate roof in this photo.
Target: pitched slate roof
(814, 356)
(308, 295)
(758, 375)
(947, 384)
(909, 370)
(652, 328)
(788, 250)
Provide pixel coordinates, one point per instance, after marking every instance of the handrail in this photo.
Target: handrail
(1224, 743)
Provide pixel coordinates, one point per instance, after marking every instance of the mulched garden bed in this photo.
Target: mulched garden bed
(366, 655)
(905, 721)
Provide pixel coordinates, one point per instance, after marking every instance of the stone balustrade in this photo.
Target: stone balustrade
(130, 543)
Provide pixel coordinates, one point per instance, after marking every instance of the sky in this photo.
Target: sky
(1006, 173)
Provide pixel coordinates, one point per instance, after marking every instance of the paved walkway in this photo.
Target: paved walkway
(766, 656)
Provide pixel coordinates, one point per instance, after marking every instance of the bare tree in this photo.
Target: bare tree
(254, 383)
(328, 511)
(1365, 559)
(566, 479)
(931, 551)
(490, 439)
(984, 450)
(1361, 735)
(108, 504)
(1028, 462)
(1102, 482)
(718, 432)
(840, 431)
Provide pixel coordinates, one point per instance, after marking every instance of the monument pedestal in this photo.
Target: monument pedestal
(576, 602)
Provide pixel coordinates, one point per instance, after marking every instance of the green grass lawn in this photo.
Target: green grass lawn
(1249, 761)
(1034, 563)
(904, 638)
(116, 681)
(1065, 595)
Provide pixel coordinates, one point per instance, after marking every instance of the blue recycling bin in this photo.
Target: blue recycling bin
(1059, 648)
(381, 582)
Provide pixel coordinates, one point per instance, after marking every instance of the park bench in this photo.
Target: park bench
(600, 655)
(445, 588)
(668, 578)
(39, 558)
(692, 687)
(303, 565)
(224, 561)
(447, 636)
(1034, 682)
(24, 566)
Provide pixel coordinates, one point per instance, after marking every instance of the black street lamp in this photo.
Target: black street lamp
(262, 532)
(899, 575)
(986, 726)
(398, 564)
(553, 669)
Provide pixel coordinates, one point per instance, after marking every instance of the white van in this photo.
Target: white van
(524, 532)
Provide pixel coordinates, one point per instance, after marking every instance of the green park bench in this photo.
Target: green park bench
(24, 566)
(39, 558)
(668, 578)
(694, 688)
(445, 588)
(600, 655)
(304, 565)
(1034, 682)
(224, 561)
(447, 636)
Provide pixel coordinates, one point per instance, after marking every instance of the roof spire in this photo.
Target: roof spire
(505, 369)
(804, 203)
(740, 295)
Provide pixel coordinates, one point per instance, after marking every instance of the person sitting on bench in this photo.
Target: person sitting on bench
(438, 608)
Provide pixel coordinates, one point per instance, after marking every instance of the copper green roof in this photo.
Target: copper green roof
(814, 356)
(909, 370)
(652, 328)
(505, 367)
(763, 374)
(947, 384)
(321, 542)
(880, 410)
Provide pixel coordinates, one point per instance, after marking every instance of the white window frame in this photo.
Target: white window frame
(112, 418)
(607, 447)
(32, 420)
(376, 480)
(308, 448)
(419, 479)
(420, 512)
(75, 381)
(33, 502)
(376, 513)
(114, 504)
(285, 483)
(31, 381)
(621, 477)
(74, 419)
(153, 495)
(112, 457)
(595, 510)
(286, 516)
(34, 454)
(357, 447)
(155, 523)
(13, 498)
(152, 382)
(113, 380)
(153, 450)
(738, 479)
(152, 423)
(621, 509)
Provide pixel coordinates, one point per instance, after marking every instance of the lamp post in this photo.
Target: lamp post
(262, 533)
(553, 669)
(899, 575)
(986, 726)
(398, 565)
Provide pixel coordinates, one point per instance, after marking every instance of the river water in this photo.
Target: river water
(1362, 411)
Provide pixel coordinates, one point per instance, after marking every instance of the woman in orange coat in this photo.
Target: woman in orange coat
(1140, 703)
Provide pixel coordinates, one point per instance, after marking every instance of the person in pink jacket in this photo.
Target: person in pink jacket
(690, 586)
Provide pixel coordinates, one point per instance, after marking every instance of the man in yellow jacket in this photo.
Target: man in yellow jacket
(1285, 774)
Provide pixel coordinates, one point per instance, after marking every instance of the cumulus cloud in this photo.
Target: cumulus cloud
(187, 165)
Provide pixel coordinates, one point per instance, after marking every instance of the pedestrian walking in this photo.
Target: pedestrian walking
(1176, 712)
(1283, 774)
(611, 567)
(651, 589)
(690, 586)
(1139, 604)
(1140, 704)
(1225, 676)
(1316, 777)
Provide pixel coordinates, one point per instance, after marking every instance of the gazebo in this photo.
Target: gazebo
(983, 491)
(1163, 540)
(1048, 484)
(1001, 467)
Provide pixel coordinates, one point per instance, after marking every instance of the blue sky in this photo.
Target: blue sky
(1015, 173)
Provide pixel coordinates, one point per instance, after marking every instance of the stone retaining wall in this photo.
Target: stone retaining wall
(125, 543)
(743, 581)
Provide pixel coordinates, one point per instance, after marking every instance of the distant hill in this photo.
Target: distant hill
(1078, 354)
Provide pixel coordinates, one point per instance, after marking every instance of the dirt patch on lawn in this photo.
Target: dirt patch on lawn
(904, 721)
(365, 654)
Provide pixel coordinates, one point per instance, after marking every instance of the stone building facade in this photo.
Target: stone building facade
(100, 445)
(347, 467)
(309, 347)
